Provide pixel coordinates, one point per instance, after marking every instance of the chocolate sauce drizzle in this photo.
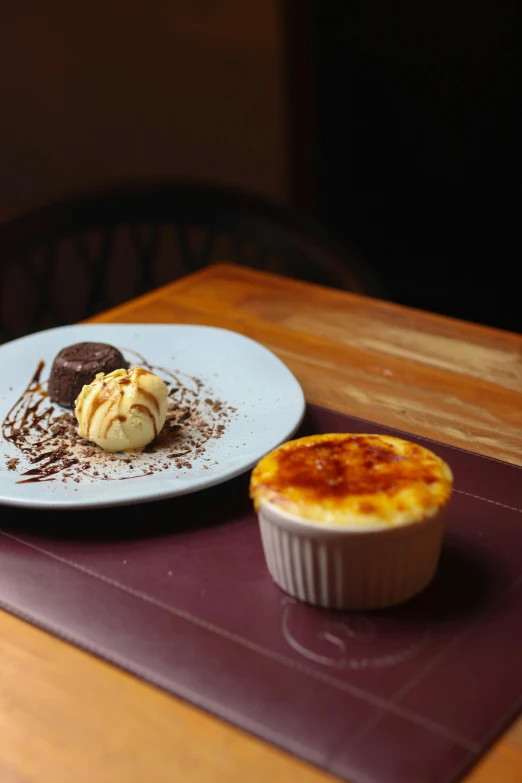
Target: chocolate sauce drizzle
(48, 446)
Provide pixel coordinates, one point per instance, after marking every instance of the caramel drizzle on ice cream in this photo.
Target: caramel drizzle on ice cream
(45, 436)
(123, 410)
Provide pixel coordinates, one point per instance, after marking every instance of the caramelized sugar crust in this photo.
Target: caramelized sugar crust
(354, 479)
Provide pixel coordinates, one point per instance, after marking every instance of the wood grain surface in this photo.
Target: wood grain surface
(67, 716)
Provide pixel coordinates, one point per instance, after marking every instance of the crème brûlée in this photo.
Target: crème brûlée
(357, 480)
(351, 521)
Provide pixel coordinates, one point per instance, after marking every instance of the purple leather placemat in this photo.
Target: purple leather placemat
(178, 593)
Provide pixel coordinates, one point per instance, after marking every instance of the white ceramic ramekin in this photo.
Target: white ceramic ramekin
(350, 568)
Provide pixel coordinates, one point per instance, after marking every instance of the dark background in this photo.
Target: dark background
(419, 134)
(396, 123)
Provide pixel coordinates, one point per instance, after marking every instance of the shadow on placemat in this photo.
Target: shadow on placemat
(464, 585)
(207, 508)
(467, 580)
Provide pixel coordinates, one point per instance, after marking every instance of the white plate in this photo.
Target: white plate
(264, 402)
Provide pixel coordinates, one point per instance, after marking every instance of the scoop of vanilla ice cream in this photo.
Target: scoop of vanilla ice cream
(123, 410)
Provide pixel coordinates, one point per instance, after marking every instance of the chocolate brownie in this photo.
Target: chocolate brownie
(78, 365)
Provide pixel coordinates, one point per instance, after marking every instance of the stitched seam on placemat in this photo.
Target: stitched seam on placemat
(487, 500)
(494, 732)
(414, 681)
(415, 435)
(243, 722)
(266, 652)
(164, 682)
(490, 738)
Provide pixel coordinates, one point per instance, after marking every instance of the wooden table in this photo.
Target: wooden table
(66, 716)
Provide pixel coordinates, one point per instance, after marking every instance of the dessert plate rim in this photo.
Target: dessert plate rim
(269, 400)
